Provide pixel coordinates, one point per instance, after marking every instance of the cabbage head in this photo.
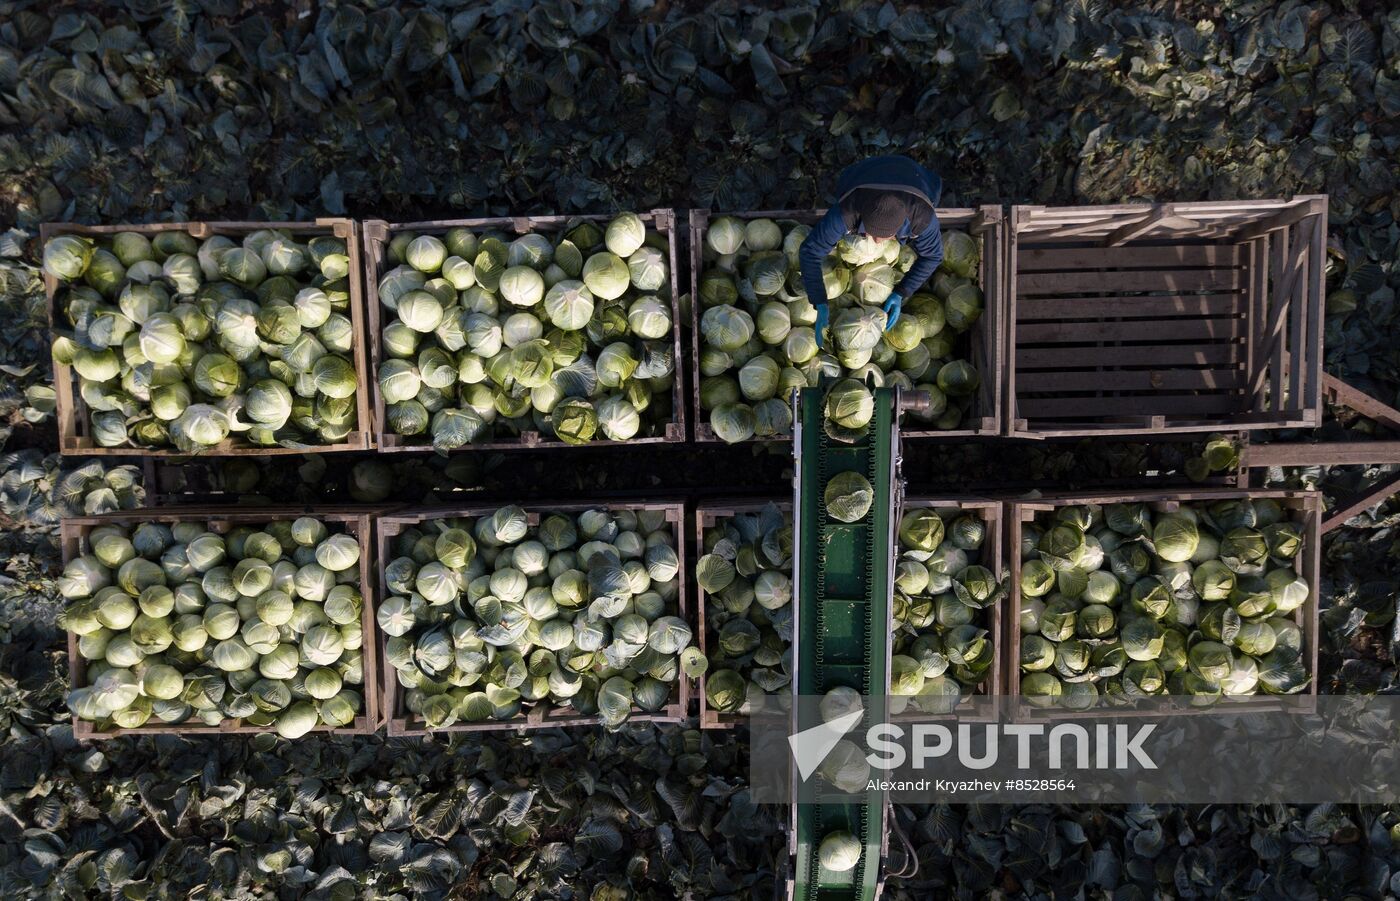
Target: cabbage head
(848, 497)
(839, 852)
(850, 404)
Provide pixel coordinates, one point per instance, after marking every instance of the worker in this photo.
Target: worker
(882, 197)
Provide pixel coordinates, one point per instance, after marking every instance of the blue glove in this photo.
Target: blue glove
(892, 307)
(823, 320)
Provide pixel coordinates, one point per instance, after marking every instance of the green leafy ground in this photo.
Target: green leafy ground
(227, 109)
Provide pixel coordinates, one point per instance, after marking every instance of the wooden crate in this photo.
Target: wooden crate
(377, 234)
(986, 704)
(706, 516)
(985, 222)
(74, 429)
(357, 521)
(402, 722)
(1305, 508)
(1140, 319)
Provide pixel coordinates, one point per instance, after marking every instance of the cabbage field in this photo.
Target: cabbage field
(137, 112)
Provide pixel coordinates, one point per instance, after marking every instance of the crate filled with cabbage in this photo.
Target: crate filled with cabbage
(523, 332)
(1201, 599)
(947, 607)
(753, 336)
(220, 337)
(532, 617)
(214, 622)
(949, 597)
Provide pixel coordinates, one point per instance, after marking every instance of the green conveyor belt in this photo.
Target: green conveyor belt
(842, 630)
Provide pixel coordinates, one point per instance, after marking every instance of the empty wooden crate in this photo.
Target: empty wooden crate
(1138, 318)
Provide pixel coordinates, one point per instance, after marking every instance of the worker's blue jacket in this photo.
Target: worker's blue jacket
(921, 230)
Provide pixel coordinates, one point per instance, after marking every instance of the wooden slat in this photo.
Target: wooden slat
(1294, 213)
(1139, 380)
(1010, 420)
(699, 222)
(1297, 318)
(1232, 209)
(1131, 230)
(1350, 506)
(1312, 395)
(989, 341)
(1329, 453)
(1194, 227)
(1203, 281)
(1339, 392)
(1038, 222)
(1028, 214)
(1050, 231)
(1258, 306)
(1032, 308)
(1084, 217)
(1217, 232)
(1064, 427)
(1168, 404)
(1167, 355)
(1132, 330)
(1293, 270)
(1129, 424)
(1273, 351)
(1185, 256)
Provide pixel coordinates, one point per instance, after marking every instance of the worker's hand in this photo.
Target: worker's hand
(892, 306)
(823, 320)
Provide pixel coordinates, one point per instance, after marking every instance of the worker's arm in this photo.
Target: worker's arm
(929, 247)
(819, 242)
